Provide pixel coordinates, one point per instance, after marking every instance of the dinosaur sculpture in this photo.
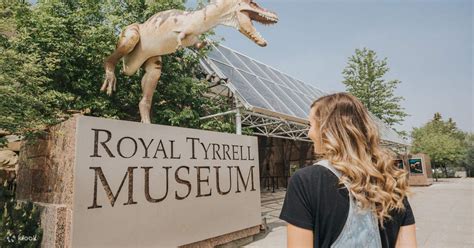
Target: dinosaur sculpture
(166, 32)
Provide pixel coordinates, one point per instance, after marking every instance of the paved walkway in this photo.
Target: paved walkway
(444, 215)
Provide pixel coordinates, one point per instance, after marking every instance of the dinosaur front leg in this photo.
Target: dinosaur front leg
(127, 42)
(200, 45)
(179, 39)
(149, 82)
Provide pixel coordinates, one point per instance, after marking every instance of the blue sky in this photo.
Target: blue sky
(429, 46)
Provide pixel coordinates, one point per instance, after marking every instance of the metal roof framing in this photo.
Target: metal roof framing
(269, 101)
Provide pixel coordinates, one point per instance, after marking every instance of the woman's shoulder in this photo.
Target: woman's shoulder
(314, 172)
(317, 185)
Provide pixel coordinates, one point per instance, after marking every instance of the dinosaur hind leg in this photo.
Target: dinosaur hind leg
(149, 82)
(127, 42)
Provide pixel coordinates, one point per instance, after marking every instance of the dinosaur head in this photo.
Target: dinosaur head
(248, 11)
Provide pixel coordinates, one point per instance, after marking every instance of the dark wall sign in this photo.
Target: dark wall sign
(416, 166)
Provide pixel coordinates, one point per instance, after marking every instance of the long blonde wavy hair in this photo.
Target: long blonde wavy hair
(351, 142)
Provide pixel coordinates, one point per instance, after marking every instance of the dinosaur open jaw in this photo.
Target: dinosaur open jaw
(259, 15)
(254, 35)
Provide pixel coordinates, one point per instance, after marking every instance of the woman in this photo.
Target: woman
(355, 196)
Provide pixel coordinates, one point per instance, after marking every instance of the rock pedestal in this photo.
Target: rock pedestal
(45, 176)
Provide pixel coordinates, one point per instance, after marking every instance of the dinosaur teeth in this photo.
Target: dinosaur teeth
(268, 18)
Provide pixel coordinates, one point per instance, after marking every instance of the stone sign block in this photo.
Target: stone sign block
(419, 167)
(110, 183)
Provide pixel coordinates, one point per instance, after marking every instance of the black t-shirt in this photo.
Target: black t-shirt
(315, 201)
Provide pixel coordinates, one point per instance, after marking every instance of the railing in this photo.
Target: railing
(272, 182)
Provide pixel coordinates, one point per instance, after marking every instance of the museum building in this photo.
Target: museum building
(275, 106)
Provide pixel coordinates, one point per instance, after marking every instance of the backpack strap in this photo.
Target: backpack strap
(329, 166)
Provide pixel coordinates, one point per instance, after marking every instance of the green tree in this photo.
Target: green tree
(441, 140)
(51, 58)
(468, 160)
(363, 77)
(24, 103)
